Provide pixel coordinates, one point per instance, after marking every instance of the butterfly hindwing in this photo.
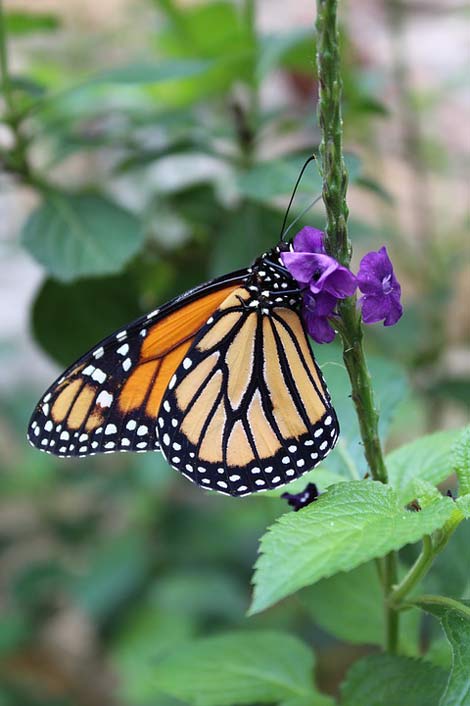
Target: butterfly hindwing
(247, 409)
(109, 399)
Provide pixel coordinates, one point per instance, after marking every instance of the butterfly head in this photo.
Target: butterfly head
(270, 283)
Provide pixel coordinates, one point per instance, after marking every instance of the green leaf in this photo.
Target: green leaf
(19, 22)
(81, 235)
(428, 458)
(340, 603)
(147, 636)
(455, 620)
(347, 526)
(359, 619)
(389, 680)
(461, 459)
(241, 668)
(67, 319)
(451, 570)
(463, 504)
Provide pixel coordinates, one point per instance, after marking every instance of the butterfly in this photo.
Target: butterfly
(221, 380)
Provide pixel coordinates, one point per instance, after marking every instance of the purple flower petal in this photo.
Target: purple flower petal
(315, 313)
(300, 265)
(376, 280)
(309, 240)
(395, 313)
(322, 304)
(329, 276)
(319, 329)
(374, 308)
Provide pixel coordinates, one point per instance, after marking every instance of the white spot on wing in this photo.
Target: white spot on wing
(104, 399)
(99, 376)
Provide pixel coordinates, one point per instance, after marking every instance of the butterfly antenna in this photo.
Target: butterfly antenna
(301, 215)
(299, 179)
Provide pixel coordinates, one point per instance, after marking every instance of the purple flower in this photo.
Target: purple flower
(310, 266)
(381, 289)
(299, 500)
(315, 311)
(309, 240)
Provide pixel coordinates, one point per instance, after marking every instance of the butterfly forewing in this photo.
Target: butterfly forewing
(247, 409)
(109, 400)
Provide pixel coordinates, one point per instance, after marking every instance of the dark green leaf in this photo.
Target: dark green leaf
(455, 621)
(81, 235)
(451, 570)
(349, 605)
(67, 319)
(389, 680)
(348, 525)
(240, 668)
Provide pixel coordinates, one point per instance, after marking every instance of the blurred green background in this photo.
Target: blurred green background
(148, 146)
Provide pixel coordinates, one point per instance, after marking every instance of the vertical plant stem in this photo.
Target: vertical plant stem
(332, 166)
(4, 74)
(335, 183)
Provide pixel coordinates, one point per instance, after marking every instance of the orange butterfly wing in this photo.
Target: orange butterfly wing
(109, 400)
(248, 409)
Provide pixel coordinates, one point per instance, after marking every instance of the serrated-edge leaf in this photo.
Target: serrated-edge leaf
(425, 492)
(428, 458)
(390, 680)
(463, 503)
(347, 526)
(461, 459)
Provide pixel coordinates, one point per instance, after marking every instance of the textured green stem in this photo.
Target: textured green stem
(444, 601)
(335, 183)
(415, 574)
(390, 564)
(332, 166)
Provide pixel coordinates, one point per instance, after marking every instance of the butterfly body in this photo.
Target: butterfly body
(221, 380)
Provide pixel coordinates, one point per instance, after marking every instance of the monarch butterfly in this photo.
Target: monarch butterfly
(221, 379)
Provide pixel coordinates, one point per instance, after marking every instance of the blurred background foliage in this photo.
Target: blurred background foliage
(146, 146)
